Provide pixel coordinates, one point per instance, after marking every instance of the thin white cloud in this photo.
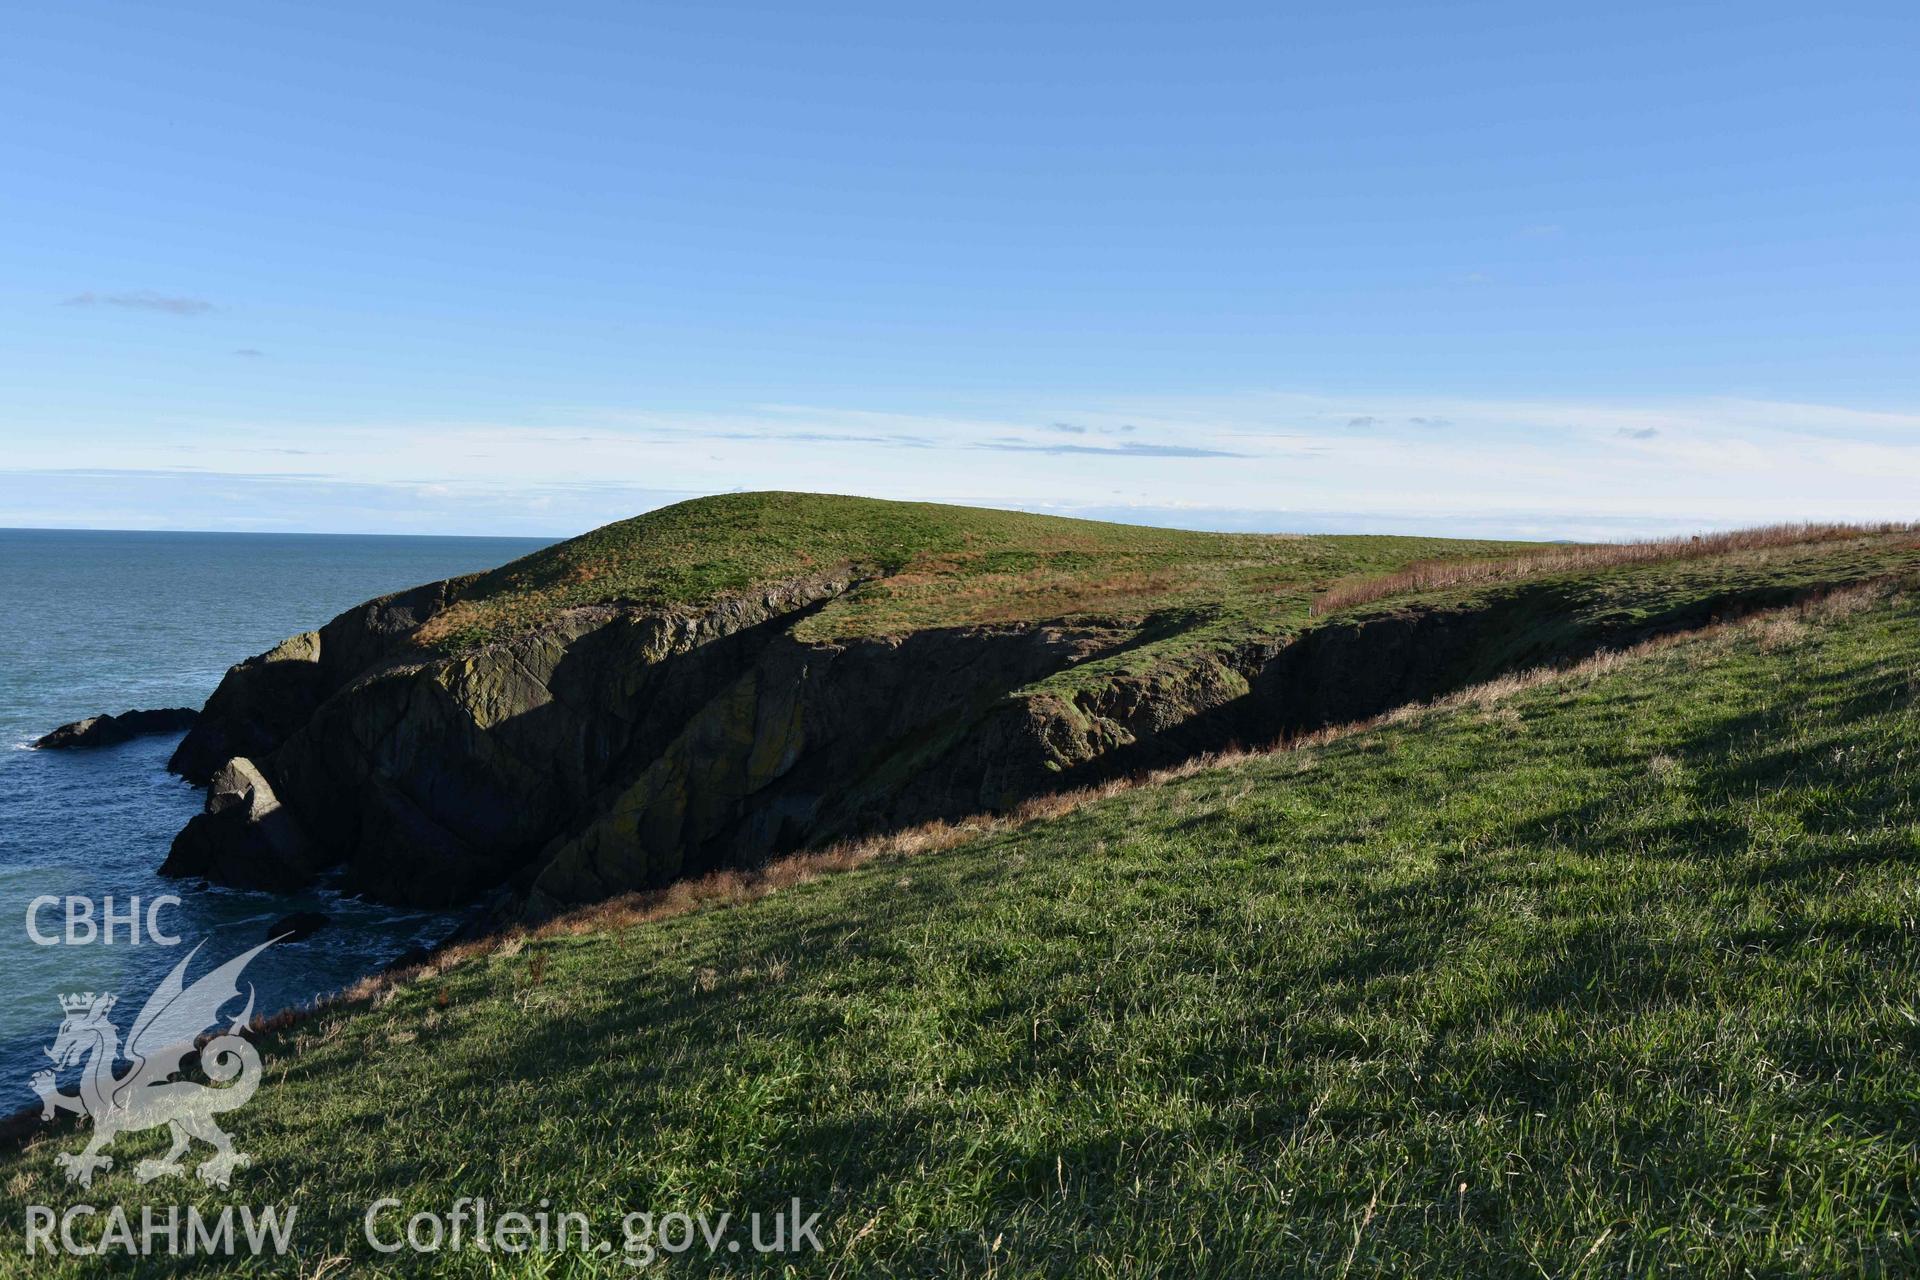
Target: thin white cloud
(1129, 449)
(1507, 466)
(143, 300)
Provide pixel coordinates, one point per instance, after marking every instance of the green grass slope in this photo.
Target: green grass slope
(1608, 974)
(932, 565)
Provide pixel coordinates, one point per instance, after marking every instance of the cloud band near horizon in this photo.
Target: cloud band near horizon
(1496, 468)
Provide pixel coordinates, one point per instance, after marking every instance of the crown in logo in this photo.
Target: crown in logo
(82, 1003)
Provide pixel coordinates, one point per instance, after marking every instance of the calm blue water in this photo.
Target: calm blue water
(99, 621)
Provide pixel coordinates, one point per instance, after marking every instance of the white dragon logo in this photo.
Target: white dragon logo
(145, 1096)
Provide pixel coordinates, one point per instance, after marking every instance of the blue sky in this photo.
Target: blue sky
(507, 268)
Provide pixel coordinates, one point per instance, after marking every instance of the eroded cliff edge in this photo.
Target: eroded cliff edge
(618, 748)
(590, 749)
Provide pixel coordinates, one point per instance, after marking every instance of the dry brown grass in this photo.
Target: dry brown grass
(923, 597)
(448, 622)
(1430, 575)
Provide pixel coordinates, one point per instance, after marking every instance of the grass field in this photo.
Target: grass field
(1606, 973)
(931, 565)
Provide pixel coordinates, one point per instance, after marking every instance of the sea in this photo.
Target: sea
(99, 621)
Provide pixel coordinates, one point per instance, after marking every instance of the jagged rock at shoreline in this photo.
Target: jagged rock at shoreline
(559, 733)
(616, 749)
(245, 838)
(298, 927)
(612, 746)
(108, 731)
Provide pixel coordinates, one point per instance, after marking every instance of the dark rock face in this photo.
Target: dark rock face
(431, 779)
(810, 742)
(107, 731)
(256, 706)
(1340, 673)
(613, 749)
(622, 748)
(264, 700)
(246, 838)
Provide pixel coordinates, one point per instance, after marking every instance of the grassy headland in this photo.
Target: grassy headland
(1604, 972)
(926, 565)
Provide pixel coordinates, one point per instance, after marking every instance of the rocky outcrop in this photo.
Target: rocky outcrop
(810, 742)
(257, 705)
(428, 779)
(615, 747)
(266, 699)
(246, 837)
(107, 731)
(1349, 671)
